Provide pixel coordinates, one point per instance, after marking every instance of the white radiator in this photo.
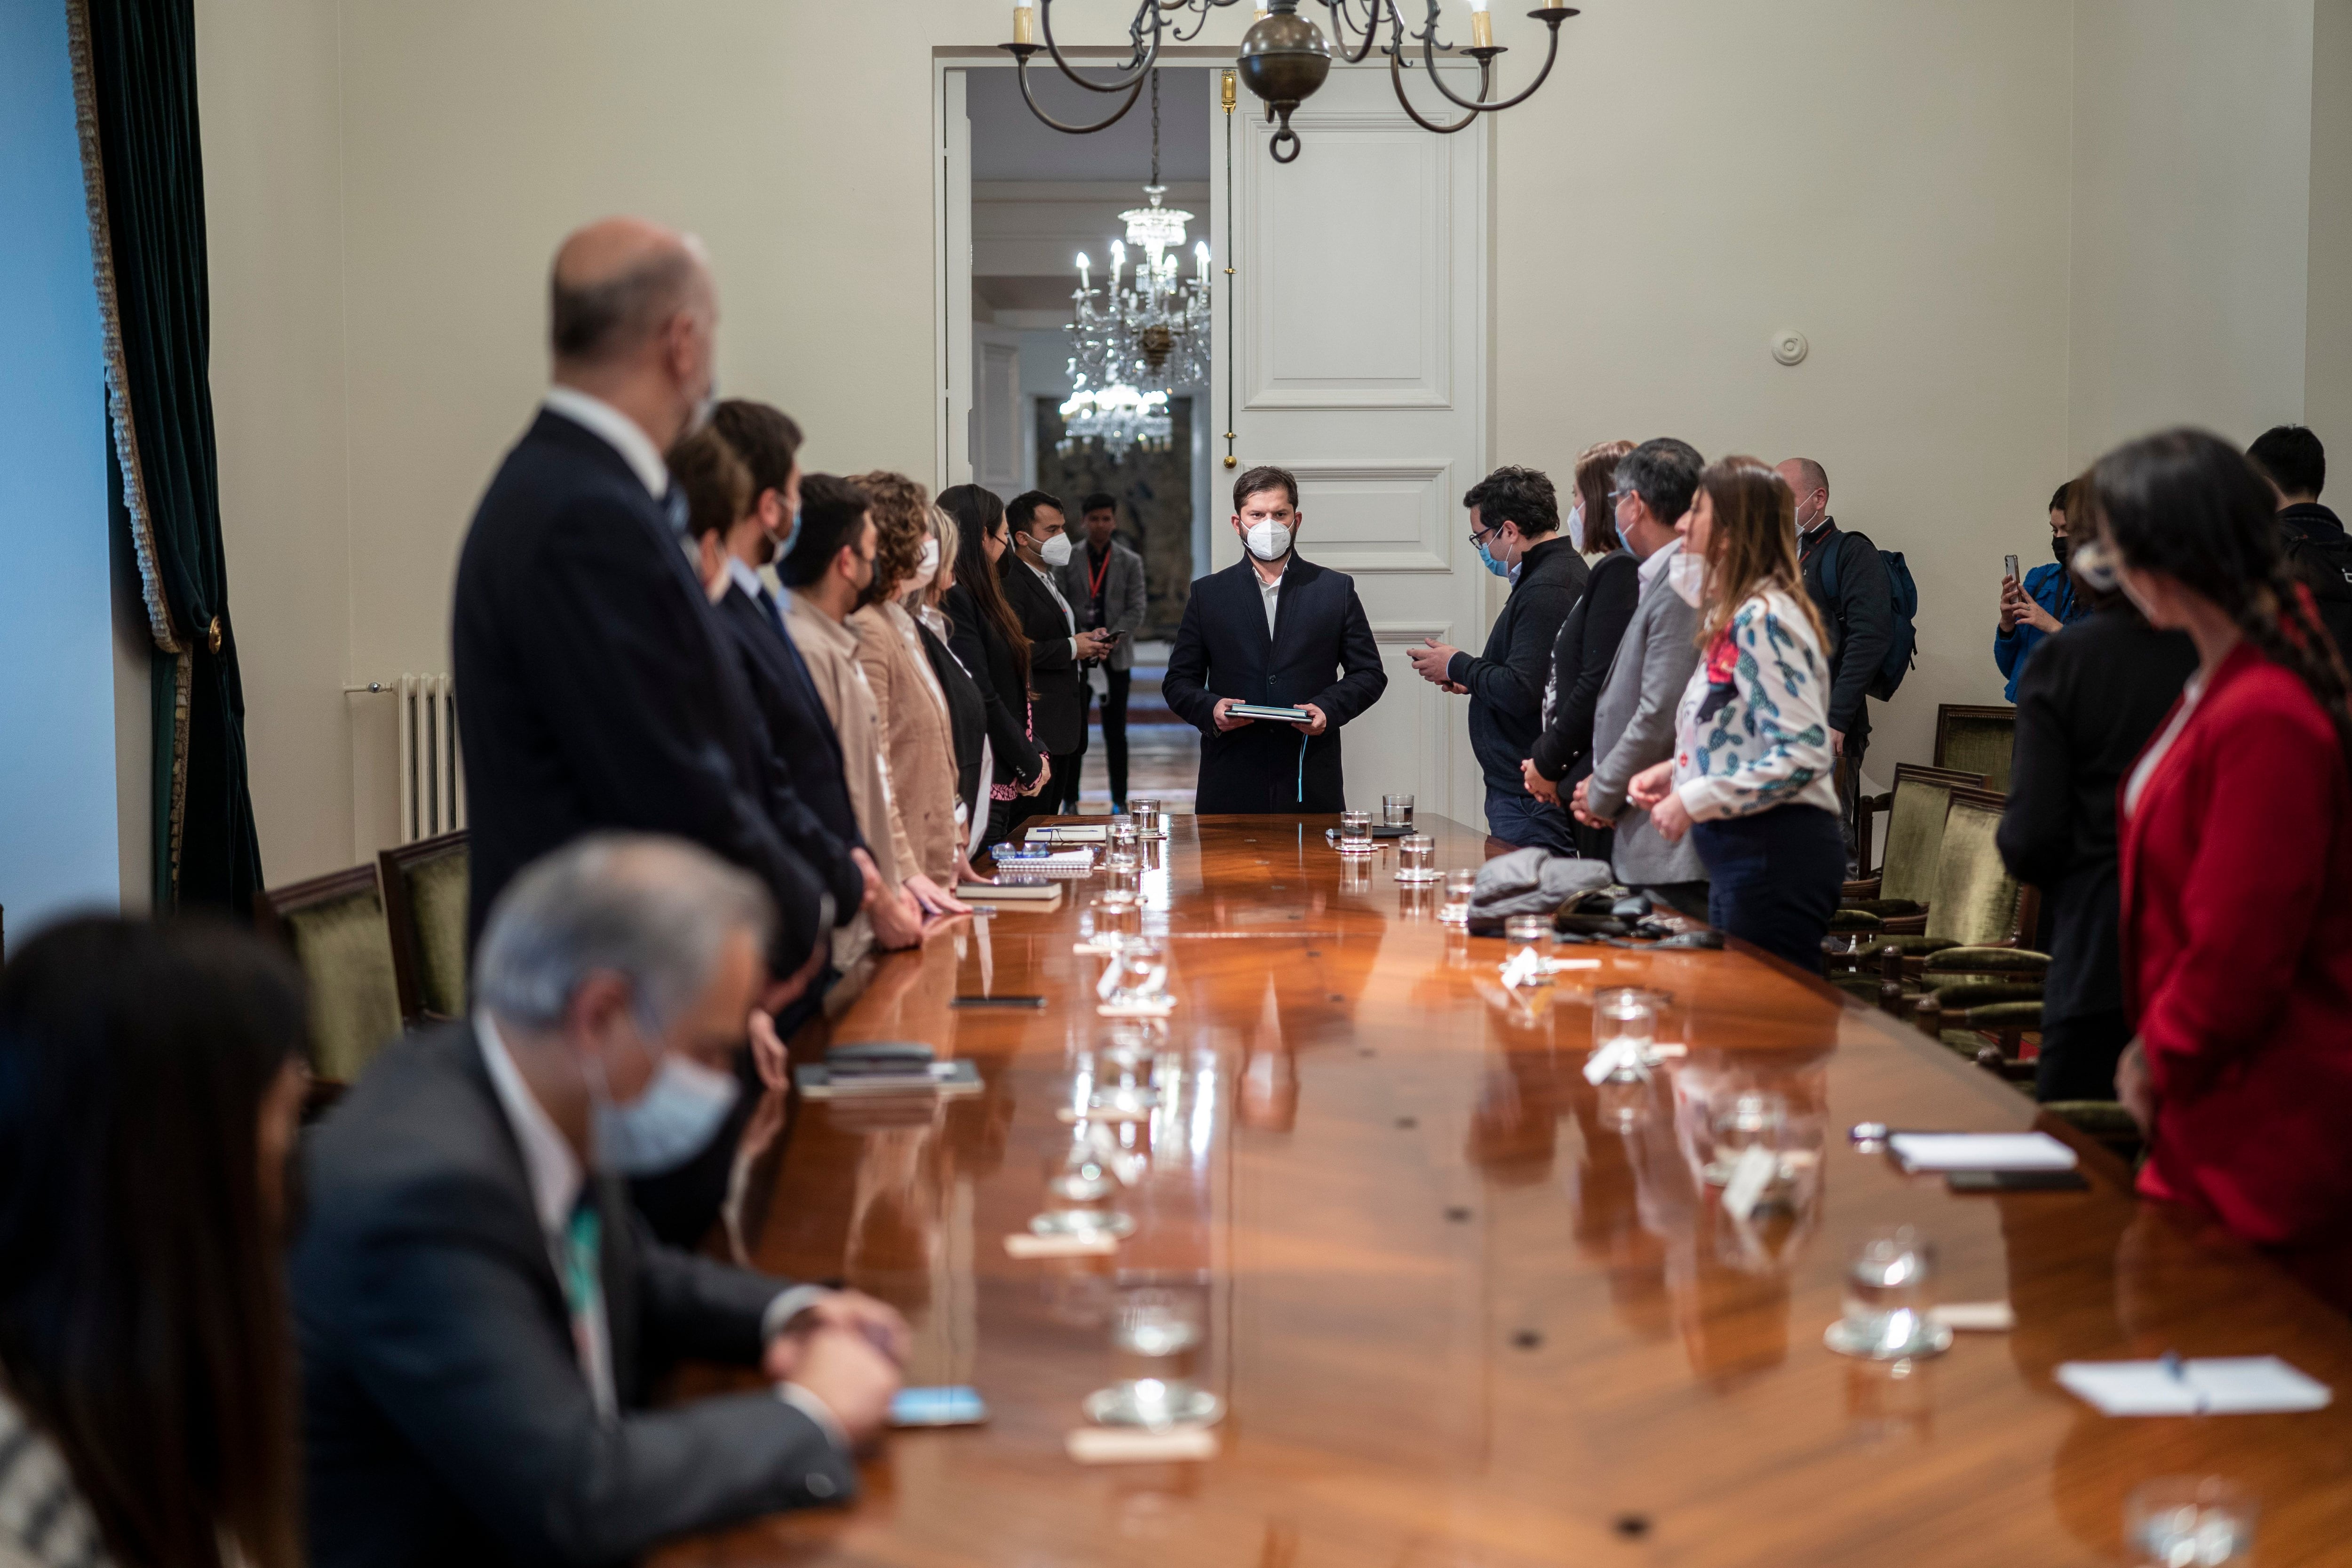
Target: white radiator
(432, 779)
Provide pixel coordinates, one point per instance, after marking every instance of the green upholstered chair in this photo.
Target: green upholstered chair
(334, 926)
(1916, 809)
(425, 901)
(1977, 740)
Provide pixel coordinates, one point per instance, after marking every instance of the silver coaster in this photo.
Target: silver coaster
(1118, 1406)
(1935, 1339)
(1083, 1223)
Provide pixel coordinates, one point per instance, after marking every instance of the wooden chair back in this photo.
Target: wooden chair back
(425, 902)
(1915, 828)
(335, 928)
(1976, 899)
(1977, 739)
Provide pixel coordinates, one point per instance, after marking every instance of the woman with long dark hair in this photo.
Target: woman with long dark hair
(2236, 863)
(1587, 642)
(988, 638)
(1751, 778)
(151, 1079)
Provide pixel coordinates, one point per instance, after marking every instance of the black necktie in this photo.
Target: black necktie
(767, 602)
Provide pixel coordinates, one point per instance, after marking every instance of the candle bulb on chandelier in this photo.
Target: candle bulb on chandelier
(1025, 21)
(1201, 256)
(1084, 285)
(1481, 26)
(1118, 263)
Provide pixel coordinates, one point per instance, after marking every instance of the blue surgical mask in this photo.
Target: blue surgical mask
(1498, 568)
(674, 1121)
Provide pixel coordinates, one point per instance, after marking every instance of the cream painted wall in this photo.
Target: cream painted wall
(2191, 237)
(1889, 180)
(268, 85)
(2013, 231)
(2328, 358)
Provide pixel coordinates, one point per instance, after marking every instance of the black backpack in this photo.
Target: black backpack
(2325, 563)
(1903, 598)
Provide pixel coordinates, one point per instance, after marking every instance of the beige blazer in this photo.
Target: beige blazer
(916, 739)
(830, 651)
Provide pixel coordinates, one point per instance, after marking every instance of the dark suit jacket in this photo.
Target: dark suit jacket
(594, 686)
(1058, 707)
(967, 715)
(984, 651)
(2087, 703)
(1861, 620)
(808, 797)
(446, 1418)
(1506, 682)
(1580, 656)
(1321, 652)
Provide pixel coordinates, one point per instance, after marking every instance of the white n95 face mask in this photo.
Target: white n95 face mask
(1686, 575)
(675, 1119)
(1268, 540)
(1056, 550)
(927, 567)
(1575, 528)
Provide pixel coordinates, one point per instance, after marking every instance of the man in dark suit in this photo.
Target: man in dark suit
(592, 681)
(481, 1313)
(1272, 629)
(1104, 580)
(1057, 648)
(1848, 581)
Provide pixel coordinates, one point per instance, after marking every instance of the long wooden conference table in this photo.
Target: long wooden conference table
(1462, 1306)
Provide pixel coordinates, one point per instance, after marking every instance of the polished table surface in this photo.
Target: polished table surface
(1465, 1308)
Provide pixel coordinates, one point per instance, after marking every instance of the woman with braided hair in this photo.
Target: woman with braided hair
(2236, 865)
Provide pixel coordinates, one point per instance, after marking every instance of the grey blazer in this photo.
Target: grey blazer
(1634, 726)
(1122, 595)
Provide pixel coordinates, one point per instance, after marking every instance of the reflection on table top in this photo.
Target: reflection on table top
(1466, 1308)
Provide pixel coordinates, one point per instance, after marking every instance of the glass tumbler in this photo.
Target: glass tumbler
(1416, 859)
(1119, 920)
(1155, 1334)
(1527, 931)
(1123, 872)
(1123, 834)
(1742, 1119)
(1624, 1016)
(1150, 817)
(1396, 810)
(1355, 833)
(1459, 885)
(2187, 1521)
(1889, 1291)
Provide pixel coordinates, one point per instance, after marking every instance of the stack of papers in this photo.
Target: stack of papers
(1069, 833)
(1981, 1151)
(2220, 1385)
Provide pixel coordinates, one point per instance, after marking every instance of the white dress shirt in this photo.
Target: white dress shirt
(620, 432)
(1268, 592)
(555, 1177)
(1649, 569)
(1070, 618)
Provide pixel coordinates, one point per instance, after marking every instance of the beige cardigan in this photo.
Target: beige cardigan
(830, 651)
(916, 739)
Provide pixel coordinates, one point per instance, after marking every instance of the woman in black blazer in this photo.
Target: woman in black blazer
(987, 640)
(1587, 643)
(967, 708)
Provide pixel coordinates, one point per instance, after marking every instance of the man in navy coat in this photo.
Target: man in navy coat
(1281, 632)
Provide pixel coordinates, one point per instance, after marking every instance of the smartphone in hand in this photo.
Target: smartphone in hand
(2009, 564)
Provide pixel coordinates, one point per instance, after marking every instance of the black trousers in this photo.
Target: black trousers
(1114, 729)
(2079, 1055)
(1060, 796)
(1773, 878)
(1848, 788)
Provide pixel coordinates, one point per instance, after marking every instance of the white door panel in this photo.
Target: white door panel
(1359, 319)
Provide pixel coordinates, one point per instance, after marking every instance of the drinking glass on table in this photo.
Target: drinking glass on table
(1150, 817)
(1744, 1118)
(1889, 1295)
(1123, 872)
(1355, 833)
(1123, 832)
(1459, 885)
(1527, 931)
(1155, 1334)
(1119, 920)
(1625, 1022)
(2188, 1521)
(1416, 859)
(1396, 810)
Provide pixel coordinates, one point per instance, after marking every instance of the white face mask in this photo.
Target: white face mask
(675, 1119)
(1055, 551)
(1686, 575)
(1575, 528)
(926, 567)
(1268, 540)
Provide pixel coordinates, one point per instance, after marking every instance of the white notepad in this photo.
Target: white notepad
(2219, 1385)
(1981, 1151)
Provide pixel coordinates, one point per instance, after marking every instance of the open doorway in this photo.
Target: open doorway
(1039, 199)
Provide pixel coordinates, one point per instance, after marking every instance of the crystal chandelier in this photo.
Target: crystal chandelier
(1285, 58)
(1119, 417)
(1150, 331)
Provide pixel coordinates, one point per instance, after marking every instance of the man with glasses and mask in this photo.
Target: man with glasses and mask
(1515, 528)
(1058, 651)
(483, 1315)
(1275, 631)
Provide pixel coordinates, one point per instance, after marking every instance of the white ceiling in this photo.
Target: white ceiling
(1009, 144)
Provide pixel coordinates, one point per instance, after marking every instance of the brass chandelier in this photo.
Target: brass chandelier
(1285, 56)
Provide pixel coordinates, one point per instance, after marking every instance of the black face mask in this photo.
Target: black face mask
(2061, 547)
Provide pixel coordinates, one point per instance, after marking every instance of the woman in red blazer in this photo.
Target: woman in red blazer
(2237, 865)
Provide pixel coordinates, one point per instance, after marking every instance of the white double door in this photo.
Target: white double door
(1357, 322)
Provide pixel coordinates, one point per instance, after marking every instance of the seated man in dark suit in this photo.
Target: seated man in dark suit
(481, 1312)
(593, 681)
(1272, 629)
(1057, 648)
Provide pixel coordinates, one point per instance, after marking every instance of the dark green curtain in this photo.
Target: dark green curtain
(140, 100)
